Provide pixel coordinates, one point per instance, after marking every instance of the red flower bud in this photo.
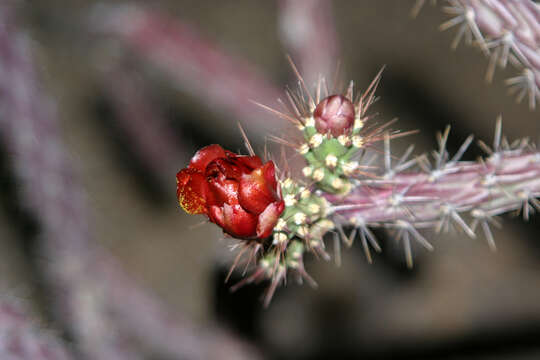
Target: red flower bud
(236, 192)
(335, 115)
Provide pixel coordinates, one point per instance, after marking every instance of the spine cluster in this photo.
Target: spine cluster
(301, 227)
(330, 160)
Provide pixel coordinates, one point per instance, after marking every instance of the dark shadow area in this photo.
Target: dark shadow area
(239, 311)
(408, 95)
(512, 340)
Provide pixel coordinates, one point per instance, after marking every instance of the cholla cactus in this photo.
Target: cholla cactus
(507, 32)
(341, 188)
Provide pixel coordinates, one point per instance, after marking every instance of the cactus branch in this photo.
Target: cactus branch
(192, 63)
(438, 195)
(307, 31)
(404, 195)
(507, 32)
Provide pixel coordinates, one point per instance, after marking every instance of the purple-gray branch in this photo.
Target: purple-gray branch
(22, 339)
(506, 31)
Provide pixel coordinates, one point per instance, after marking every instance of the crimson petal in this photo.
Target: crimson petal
(220, 192)
(191, 190)
(257, 189)
(251, 162)
(205, 156)
(238, 222)
(268, 219)
(223, 168)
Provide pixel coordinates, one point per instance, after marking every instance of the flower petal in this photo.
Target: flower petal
(251, 162)
(205, 156)
(268, 219)
(238, 222)
(215, 214)
(191, 190)
(269, 173)
(220, 192)
(223, 168)
(258, 189)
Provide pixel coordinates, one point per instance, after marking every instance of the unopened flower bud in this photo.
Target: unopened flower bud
(334, 115)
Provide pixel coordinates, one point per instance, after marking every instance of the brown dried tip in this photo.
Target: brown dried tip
(334, 115)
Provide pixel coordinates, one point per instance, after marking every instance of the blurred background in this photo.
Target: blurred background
(103, 102)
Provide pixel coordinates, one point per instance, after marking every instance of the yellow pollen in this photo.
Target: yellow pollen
(305, 194)
(310, 121)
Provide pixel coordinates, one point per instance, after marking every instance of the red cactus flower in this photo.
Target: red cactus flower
(334, 114)
(236, 192)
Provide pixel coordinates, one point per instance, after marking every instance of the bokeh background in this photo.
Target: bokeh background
(133, 89)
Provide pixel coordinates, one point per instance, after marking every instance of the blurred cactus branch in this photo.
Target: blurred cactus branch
(141, 122)
(50, 193)
(307, 30)
(20, 338)
(91, 296)
(220, 82)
